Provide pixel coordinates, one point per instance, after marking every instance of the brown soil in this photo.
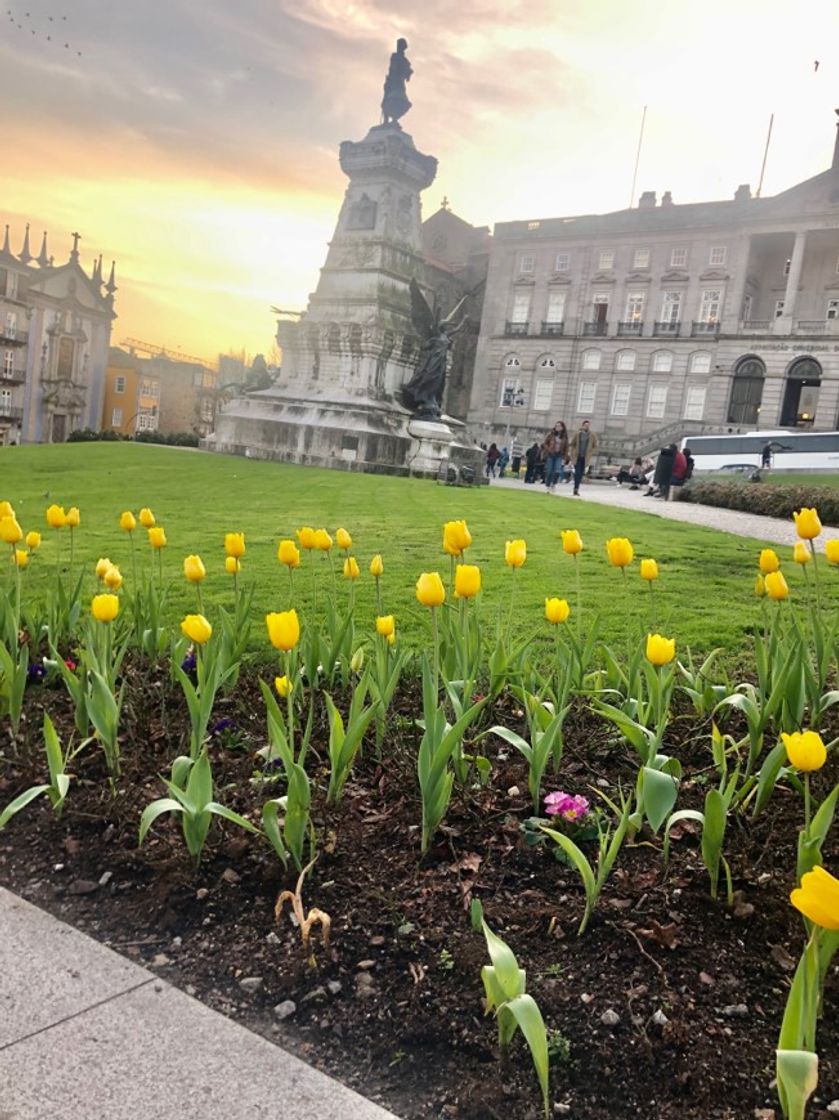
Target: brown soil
(394, 1006)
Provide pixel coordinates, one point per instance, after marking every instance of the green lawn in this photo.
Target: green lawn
(704, 596)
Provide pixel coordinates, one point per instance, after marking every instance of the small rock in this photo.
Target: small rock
(365, 986)
(250, 983)
(736, 1011)
(191, 990)
(602, 783)
(230, 876)
(363, 966)
(105, 878)
(201, 893)
(764, 1114)
(586, 998)
(315, 993)
(610, 1018)
(272, 938)
(58, 867)
(334, 987)
(177, 942)
(659, 1018)
(833, 1107)
(377, 940)
(513, 791)
(741, 908)
(707, 980)
(561, 1109)
(82, 886)
(159, 960)
(158, 987)
(285, 1009)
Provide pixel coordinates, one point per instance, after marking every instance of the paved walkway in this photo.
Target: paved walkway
(774, 530)
(87, 1035)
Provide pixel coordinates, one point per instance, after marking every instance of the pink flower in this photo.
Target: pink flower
(571, 807)
(71, 665)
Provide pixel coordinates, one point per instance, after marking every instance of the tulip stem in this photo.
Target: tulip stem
(652, 608)
(133, 564)
(816, 574)
(807, 807)
(436, 651)
(579, 596)
(236, 591)
(378, 596)
(160, 567)
(71, 550)
(291, 584)
(200, 600)
(289, 702)
(512, 602)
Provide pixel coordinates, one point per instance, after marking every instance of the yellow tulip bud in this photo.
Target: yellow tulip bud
(283, 686)
(818, 898)
(377, 566)
(102, 567)
(21, 557)
(283, 629)
(157, 537)
(831, 551)
(73, 518)
(56, 517)
(572, 542)
(760, 586)
(556, 610)
(391, 639)
(128, 521)
(306, 536)
(776, 586)
(467, 581)
(805, 750)
(357, 660)
(801, 553)
(351, 568)
(660, 651)
(515, 553)
(194, 569)
(430, 590)
(768, 561)
(620, 552)
(197, 629)
(288, 553)
(105, 608)
(807, 524)
(10, 531)
(6, 509)
(385, 625)
(232, 565)
(33, 540)
(343, 539)
(456, 538)
(113, 578)
(323, 541)
(146, 518)
(649, 570)
(234, 544)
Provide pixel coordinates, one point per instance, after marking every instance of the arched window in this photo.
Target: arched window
(663, 361)
(512, 362)
(511, 393)
(591, 359)
(746, 391)
(700, 362)
(546, 364)
(801, 395)
(625, 361)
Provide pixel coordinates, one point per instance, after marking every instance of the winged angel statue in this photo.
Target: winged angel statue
(423, 394)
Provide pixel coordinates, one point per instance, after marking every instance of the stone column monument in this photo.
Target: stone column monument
(365, 364)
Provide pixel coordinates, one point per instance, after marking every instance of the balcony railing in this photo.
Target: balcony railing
(598, 329)
(756, 326)
(704, 327)
(818, 326)
(552, 328)
(10, 412)
(13, 376)
(631, 329)
(11, 334)
(670, 328)
(514, 329)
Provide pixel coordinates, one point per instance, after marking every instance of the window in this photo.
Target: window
(606, 259)
(747, 307)
(11, 323)
(779, 308)
(562, 262)
(695, 402)
(746, 391)
(198, 375)
(521, 307)
(700, 362)
(543, 394)
(678, 258)
(641, 258)
(512, 363)
(5, 401)
(837, 269)
(146, 421)
(662, 361)
(145, 388)
(207, 408)
(11, 284)
(547, 363)
(656, 401)
(119, 384)
(66, 357)
(586, 396)
(787, 264)
(116, 418)
(620, 398)
(832, 311)
(634, 307)
(591, 359)
(709, 308)
(512, 394)
(717, 255)
(8, 361)
(556, 307)
(671, 307)
(625, 361)
(526, 262)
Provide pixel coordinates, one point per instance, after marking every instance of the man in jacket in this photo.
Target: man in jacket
(581, 451)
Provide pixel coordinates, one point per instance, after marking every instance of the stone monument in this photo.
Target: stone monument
(363, 368)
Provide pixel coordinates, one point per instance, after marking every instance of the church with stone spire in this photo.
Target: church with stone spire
(55, 332)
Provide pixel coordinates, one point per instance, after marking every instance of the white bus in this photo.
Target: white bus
(791, 451)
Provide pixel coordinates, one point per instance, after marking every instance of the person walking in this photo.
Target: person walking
(516, 452)
(532, 461)
(555, 453)
(503, 460)
(766, 456)
(492, 459)
(582, 449)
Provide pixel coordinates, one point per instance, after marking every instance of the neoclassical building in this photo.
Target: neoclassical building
(55, 330)
(665, 319)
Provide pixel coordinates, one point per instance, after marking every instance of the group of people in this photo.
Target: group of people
(673, 467)
(561, 458)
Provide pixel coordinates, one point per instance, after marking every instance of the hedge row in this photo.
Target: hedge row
(757, 497)
(171, 439)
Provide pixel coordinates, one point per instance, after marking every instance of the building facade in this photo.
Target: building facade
(169, 393)
(132, 396)
(665, 320)
(55, 328)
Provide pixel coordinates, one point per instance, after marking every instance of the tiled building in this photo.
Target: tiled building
(665, 319)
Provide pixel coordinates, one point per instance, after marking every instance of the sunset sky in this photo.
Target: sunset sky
(196, 142)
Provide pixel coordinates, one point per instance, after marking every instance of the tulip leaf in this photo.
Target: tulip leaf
(659, 791)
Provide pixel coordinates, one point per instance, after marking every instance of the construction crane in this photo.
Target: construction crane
(151, 350)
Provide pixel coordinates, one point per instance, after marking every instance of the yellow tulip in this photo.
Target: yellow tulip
(620, 552)
(283, 629)
(572, 542)
(323, 541)
(113, 578)
(385, 625)
(10, 531)
(818, 898)
(289, 554)
(197, 629)
(283, 686)
(556, 610)
(805, 750)
(456, 538)
(760, 586)
(807, 524)
(649, 570)
(430, 590)
(128, 521)
(391, 639)
(146, 518)
(831, 551)
(467, 581)
(21, 558)
(194, 569)
(768, 561)
(56, 517)
(234, 544)
(102, 567)
(660, 651)
(377, 566)
(515, 553)
(232, 565)
(801, 553)
(33, 540)
(343, 539)
(105, 608)
(73, 518)
(7, 509)
(351, 568)
(306, 536)
(357, 660)
(776, 586)
(157, 537)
